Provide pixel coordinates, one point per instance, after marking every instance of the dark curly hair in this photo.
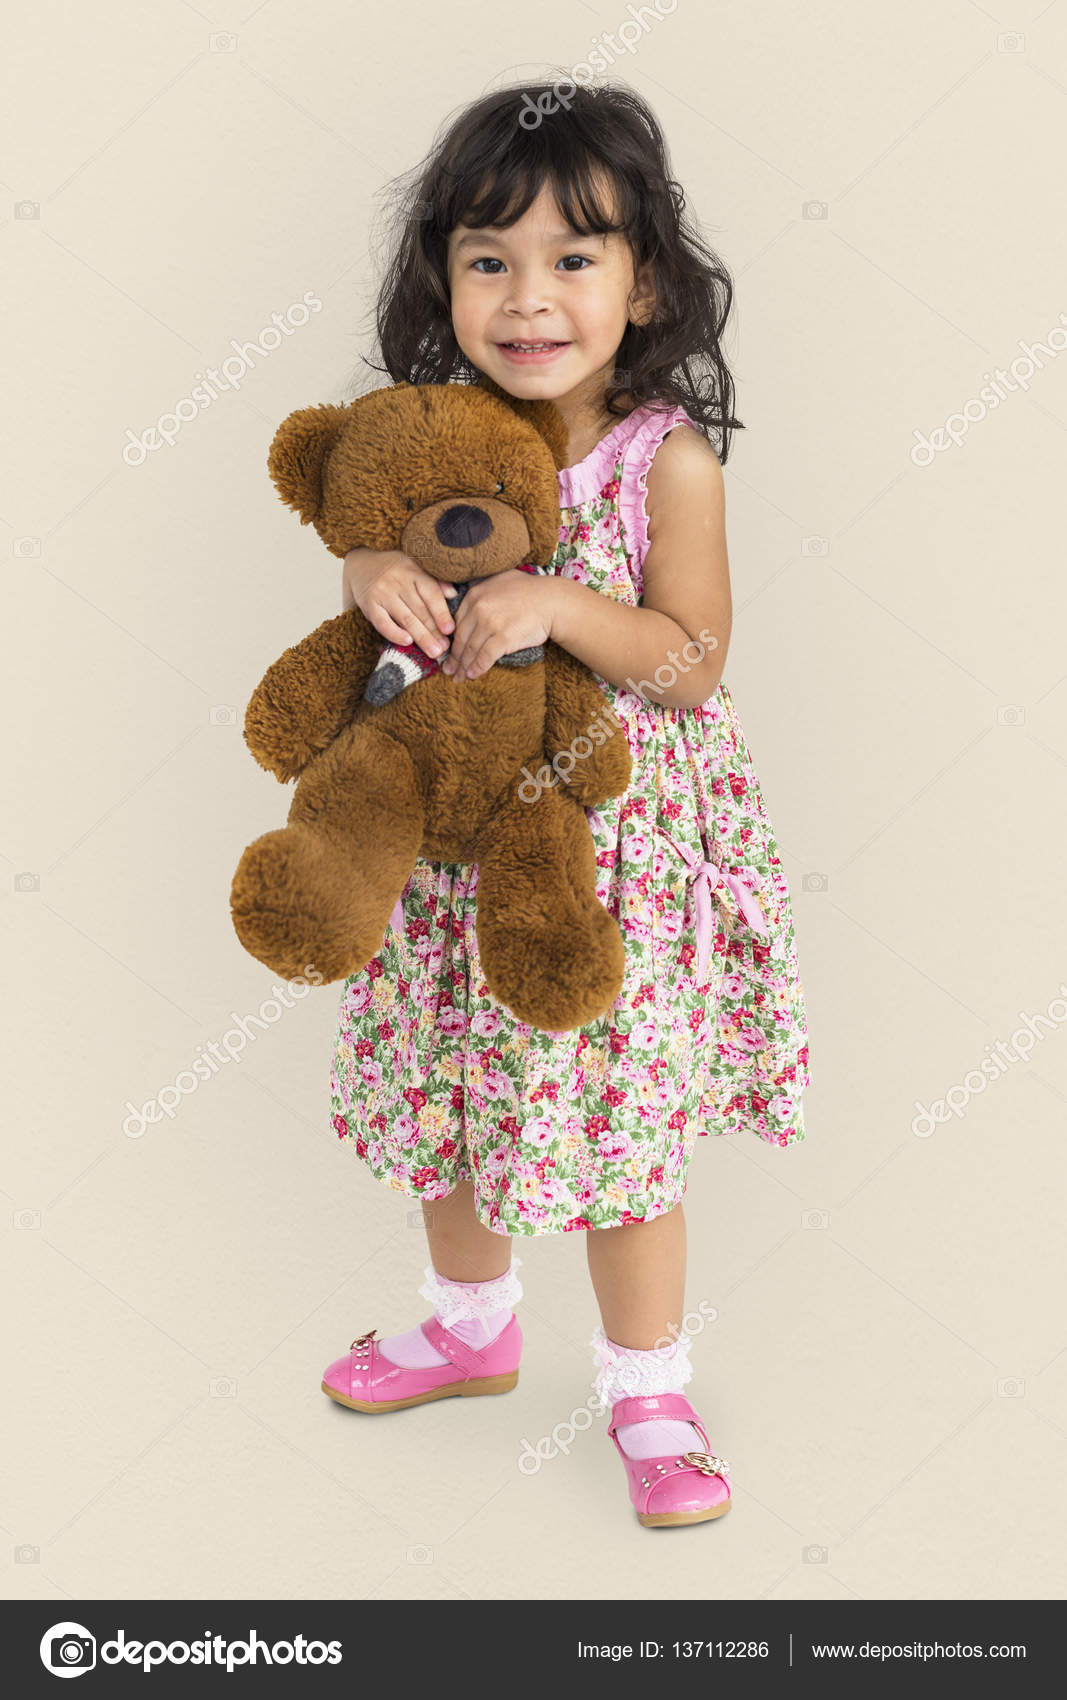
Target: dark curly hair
(487, 169)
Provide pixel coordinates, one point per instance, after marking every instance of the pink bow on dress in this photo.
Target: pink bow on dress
(709, 876)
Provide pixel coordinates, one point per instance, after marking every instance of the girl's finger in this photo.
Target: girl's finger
(425, 635)
(434, 595)
(479, 661)
(453, 661)
(387, 627)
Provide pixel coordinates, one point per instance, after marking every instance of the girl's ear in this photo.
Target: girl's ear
(546, 420)
(298, 456)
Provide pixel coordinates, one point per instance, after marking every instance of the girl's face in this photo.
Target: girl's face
(539, 283)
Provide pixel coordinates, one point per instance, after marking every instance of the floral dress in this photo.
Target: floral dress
(434, 1081)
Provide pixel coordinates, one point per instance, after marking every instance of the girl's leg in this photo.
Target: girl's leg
(461, 1247)
(638, 1274)
(470, 1280)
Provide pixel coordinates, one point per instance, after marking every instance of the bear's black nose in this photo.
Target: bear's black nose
(463, 526)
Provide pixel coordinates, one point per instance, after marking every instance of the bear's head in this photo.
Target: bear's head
(462, 477)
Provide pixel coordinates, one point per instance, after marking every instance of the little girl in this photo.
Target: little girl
(555, 261)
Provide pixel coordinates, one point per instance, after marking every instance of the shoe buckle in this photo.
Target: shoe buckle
(707, 1463)
(362, 1339)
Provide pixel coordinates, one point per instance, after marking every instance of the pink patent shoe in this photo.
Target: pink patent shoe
(365, 1380)
(680, 1487)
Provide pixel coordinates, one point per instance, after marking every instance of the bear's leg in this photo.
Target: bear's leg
(318, 893)
(550, 950)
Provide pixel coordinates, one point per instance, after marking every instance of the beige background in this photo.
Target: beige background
(886, 1371)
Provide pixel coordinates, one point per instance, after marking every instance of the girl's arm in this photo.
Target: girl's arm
(686, 596)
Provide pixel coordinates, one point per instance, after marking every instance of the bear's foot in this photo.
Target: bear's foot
(301, 906)
(555, 978)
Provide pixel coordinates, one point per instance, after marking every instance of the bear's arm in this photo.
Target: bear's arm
(311, 693)
(576, 709)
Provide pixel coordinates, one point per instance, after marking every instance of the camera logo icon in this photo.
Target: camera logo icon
(68, 1649)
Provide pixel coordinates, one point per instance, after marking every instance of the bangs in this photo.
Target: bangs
(493, 189)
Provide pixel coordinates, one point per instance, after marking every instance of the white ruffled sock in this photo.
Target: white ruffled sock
(624, 1372)
(475, 1311)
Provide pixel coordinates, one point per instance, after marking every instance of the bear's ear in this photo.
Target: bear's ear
(297, 456)
(546, 420)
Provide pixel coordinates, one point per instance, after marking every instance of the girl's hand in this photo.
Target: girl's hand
(402, 601)
(512, 610)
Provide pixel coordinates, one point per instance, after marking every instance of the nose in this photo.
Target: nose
(527, 294)
(462, 526)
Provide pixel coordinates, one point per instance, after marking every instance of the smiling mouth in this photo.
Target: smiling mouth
(531, 347)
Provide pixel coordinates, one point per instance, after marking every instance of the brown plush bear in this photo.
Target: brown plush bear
(464, 480)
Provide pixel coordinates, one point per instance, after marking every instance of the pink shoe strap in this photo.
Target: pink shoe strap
(452, 1347)
(653, 1407)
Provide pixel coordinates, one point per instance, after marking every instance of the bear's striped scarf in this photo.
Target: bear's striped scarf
(399, 667)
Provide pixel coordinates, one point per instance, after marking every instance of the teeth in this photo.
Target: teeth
(529, 347)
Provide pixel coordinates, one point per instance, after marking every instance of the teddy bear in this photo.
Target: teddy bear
(396, 761)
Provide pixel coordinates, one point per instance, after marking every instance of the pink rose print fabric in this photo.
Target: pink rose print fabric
(433, 1081)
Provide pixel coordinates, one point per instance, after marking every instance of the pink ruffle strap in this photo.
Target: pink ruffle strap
(639, 454)
(586, 478)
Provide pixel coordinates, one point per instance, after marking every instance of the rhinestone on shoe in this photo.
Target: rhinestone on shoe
(707, 1463)
(361, 1341)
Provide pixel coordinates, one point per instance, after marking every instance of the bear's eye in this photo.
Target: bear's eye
(498, 489)
(410, 504)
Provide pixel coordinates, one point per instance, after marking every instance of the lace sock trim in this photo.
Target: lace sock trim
(624, 1372)
(453, 1300)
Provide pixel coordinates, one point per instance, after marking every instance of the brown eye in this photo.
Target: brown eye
(498, 489)
(410, 504)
